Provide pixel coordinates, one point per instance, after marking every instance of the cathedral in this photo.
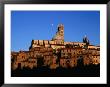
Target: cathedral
(56, 53)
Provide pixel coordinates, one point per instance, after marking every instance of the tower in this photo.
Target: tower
(85, 40)
(59, 37)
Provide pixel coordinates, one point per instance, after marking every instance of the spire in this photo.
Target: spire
(86, 40)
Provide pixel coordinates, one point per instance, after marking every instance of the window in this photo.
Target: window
(63, 53)
(63, 64)
(67, 61)
(79, 51)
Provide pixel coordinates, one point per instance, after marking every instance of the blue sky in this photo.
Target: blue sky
(28, 25)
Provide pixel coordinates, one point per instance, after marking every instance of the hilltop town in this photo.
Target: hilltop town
(56, 53)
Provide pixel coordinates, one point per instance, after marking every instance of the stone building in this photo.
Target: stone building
(56, 53)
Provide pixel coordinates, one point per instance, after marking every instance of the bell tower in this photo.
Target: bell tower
(86, 40)
(59, 37)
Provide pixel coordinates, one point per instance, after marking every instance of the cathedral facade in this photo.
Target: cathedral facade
(56, 53)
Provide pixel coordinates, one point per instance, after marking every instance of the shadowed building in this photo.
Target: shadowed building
(56, 53)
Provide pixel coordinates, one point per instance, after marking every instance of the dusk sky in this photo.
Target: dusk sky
(42, 25)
